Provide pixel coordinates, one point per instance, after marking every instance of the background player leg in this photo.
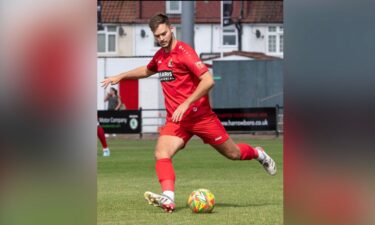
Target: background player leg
(244, 151)
(103, 141)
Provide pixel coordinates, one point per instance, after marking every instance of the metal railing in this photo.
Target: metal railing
(279, 120)
(152, 120)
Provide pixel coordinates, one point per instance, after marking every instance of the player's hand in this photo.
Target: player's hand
(110, 80)
(179, 112)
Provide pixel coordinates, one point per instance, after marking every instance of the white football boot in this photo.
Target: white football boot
(268, 164)
(106, 152)
(161, 201)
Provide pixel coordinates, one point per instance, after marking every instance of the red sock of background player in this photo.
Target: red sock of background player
(249, 153)
(101, 137)
(166, 176)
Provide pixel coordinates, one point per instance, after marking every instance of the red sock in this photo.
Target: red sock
(165, 173)
(101, 137)
(247, 152)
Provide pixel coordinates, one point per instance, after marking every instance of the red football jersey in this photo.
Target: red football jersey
(179, 72)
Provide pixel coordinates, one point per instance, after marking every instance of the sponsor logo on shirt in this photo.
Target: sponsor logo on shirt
(166, 76)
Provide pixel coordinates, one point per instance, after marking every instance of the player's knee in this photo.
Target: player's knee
(161, 155)
(157, 155)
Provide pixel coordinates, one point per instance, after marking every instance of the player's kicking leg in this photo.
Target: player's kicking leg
(268, 163)
(243, 151)
(166, 148)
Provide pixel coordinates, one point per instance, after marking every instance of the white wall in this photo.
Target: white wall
(206, 39)
(151, 97)
(99, 90)
(149, 88)
(143, 46)
(250, 42)
(253, 44)
(203, 38)
(125, 42)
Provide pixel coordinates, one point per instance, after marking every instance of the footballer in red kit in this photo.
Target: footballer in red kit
(179, 72)
(186, 83)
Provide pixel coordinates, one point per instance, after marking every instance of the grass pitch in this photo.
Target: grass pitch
(244, 192)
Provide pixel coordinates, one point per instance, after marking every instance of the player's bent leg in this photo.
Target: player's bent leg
(268, 163)
(166, 147)
(243, 151)
(228, 149)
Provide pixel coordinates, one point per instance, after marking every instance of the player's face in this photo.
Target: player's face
(163, 35)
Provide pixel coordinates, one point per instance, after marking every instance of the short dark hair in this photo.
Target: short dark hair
(158, 19)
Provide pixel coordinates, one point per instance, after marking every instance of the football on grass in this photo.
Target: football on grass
(201, 201)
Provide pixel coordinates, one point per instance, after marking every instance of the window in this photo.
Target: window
(272, 43)
(271, 29)
(229, 36)
(173, 7)
(107, 40)
(177, 32)
(275, 39)
(101, 42)
(281, 44)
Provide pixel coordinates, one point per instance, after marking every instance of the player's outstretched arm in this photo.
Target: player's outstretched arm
(138, 73)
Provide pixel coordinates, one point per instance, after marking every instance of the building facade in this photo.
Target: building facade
(126, 33)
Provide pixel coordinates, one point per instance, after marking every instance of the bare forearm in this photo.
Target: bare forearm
(138, 73)
(118, 106)
(204, 86)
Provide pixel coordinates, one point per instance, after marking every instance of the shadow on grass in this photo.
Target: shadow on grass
(218, 205)
(179, 208)
(244, 205)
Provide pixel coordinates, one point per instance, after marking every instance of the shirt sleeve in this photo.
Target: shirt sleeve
(152, 65)
(193, 62)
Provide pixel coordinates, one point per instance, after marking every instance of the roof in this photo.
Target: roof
(206, 11)
(118, 11)
(235, 55)
(264, 12)
(252, 55)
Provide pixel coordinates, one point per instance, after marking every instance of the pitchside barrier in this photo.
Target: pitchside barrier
(120, 122)
(150, 121)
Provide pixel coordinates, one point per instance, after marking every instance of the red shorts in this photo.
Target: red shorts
(209, 129)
